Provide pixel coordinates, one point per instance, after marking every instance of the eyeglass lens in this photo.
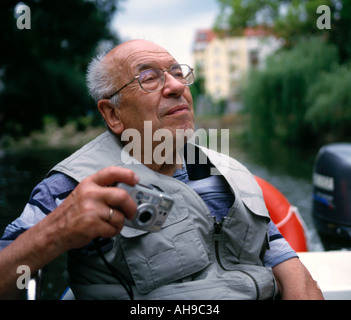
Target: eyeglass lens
(153, 79)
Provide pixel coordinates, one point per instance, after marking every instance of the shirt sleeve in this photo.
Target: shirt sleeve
(45, 197)
(280, 250)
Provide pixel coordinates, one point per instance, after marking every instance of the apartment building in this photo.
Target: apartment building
(223, 61)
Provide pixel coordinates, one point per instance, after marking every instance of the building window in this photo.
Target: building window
(217, 64)
(217, 50)
(253, 58)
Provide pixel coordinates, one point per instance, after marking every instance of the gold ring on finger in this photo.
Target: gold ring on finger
(111, 213)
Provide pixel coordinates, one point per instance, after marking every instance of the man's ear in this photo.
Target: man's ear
(111, 116)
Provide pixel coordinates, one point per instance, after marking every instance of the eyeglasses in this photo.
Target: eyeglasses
(152, 80)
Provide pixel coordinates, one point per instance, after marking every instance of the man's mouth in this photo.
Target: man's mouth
(177, 109)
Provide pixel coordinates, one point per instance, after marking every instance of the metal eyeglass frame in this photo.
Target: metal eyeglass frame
(165, 70)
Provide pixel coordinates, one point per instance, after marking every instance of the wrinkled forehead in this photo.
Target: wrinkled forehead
(134, 56)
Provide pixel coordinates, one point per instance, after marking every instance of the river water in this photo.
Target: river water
(287, 169)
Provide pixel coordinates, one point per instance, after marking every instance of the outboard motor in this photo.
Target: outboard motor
(332, 195)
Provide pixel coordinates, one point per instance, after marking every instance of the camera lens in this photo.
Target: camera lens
(145, 216)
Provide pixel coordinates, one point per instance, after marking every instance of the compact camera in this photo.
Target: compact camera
(153, 208)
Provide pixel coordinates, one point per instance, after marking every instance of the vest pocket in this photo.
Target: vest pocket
(249, 222)
(159, 258)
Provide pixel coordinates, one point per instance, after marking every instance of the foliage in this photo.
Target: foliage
(238, 14)
(329, 104)
(340, 34)
(197, 89)
(276, 96)
(42, 69)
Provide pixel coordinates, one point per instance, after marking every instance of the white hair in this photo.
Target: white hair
(101, 81)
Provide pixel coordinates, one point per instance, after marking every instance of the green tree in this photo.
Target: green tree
(329, 104)
(197, 89)
(236, 15)
(275, 97)
(340, 34)
(42, 69)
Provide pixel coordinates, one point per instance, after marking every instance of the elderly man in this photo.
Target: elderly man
(217, 242)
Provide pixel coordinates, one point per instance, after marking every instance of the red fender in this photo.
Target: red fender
(284, 215)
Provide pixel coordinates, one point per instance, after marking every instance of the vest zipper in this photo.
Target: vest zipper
(217, 230)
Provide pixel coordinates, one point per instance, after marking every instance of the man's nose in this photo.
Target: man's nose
(172, 86)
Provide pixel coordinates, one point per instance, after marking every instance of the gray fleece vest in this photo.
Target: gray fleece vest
(189, 258)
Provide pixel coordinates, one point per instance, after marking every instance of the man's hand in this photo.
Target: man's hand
(85, 214)
(82, 217)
